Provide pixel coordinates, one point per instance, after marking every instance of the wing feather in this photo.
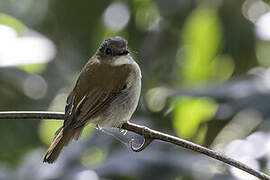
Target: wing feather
(90, 96)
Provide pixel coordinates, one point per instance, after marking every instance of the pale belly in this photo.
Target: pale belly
(121, 109)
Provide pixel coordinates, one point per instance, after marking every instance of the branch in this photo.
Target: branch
(149, 136)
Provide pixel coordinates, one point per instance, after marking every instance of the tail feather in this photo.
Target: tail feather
(61, 139)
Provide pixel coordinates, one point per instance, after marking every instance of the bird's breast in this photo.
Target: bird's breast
(124, 106)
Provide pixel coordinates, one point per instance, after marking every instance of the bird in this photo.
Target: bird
(106, 94)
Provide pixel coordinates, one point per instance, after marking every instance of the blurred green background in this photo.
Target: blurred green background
(206, 78)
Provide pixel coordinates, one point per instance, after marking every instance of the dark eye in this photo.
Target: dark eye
(108, 51)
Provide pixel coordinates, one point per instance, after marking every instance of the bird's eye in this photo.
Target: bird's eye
(108, 51)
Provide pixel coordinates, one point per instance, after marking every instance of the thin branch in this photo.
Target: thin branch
(149, 136)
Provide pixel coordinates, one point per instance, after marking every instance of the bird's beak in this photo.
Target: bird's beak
(124, 52)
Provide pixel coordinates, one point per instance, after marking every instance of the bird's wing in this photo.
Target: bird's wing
(91, 96)
(87, 110)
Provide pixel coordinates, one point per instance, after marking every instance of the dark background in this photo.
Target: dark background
(206, 78)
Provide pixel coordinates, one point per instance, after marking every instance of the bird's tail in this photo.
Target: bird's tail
(61, 139)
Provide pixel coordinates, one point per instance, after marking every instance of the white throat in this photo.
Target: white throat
(121, 60)
(128, 60)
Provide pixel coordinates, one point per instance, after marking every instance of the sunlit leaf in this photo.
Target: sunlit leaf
(34, 68)
(202, 38)
(12, 22)
(189, 113)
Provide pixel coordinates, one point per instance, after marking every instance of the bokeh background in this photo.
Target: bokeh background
(206, 78)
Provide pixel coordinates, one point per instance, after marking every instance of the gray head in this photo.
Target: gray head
(113, 47)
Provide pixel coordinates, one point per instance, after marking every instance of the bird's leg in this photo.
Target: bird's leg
(98, 127)
(123, 131)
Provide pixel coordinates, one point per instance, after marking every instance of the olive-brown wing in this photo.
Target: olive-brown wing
(97, 87)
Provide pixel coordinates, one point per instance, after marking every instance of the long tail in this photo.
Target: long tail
(61, 139)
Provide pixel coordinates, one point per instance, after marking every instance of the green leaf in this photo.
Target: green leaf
(189, 113)
(34, 68)
(202, 39)
(12, 22)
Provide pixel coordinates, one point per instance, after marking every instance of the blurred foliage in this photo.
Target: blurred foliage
(189, 113)
(205, 67)
(147, 14)
(93, 157)
(202, 38)
(47, 130)
(33, 68)
(12, 22)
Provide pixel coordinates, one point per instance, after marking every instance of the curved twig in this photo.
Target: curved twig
(145, 143)
(149, 136)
